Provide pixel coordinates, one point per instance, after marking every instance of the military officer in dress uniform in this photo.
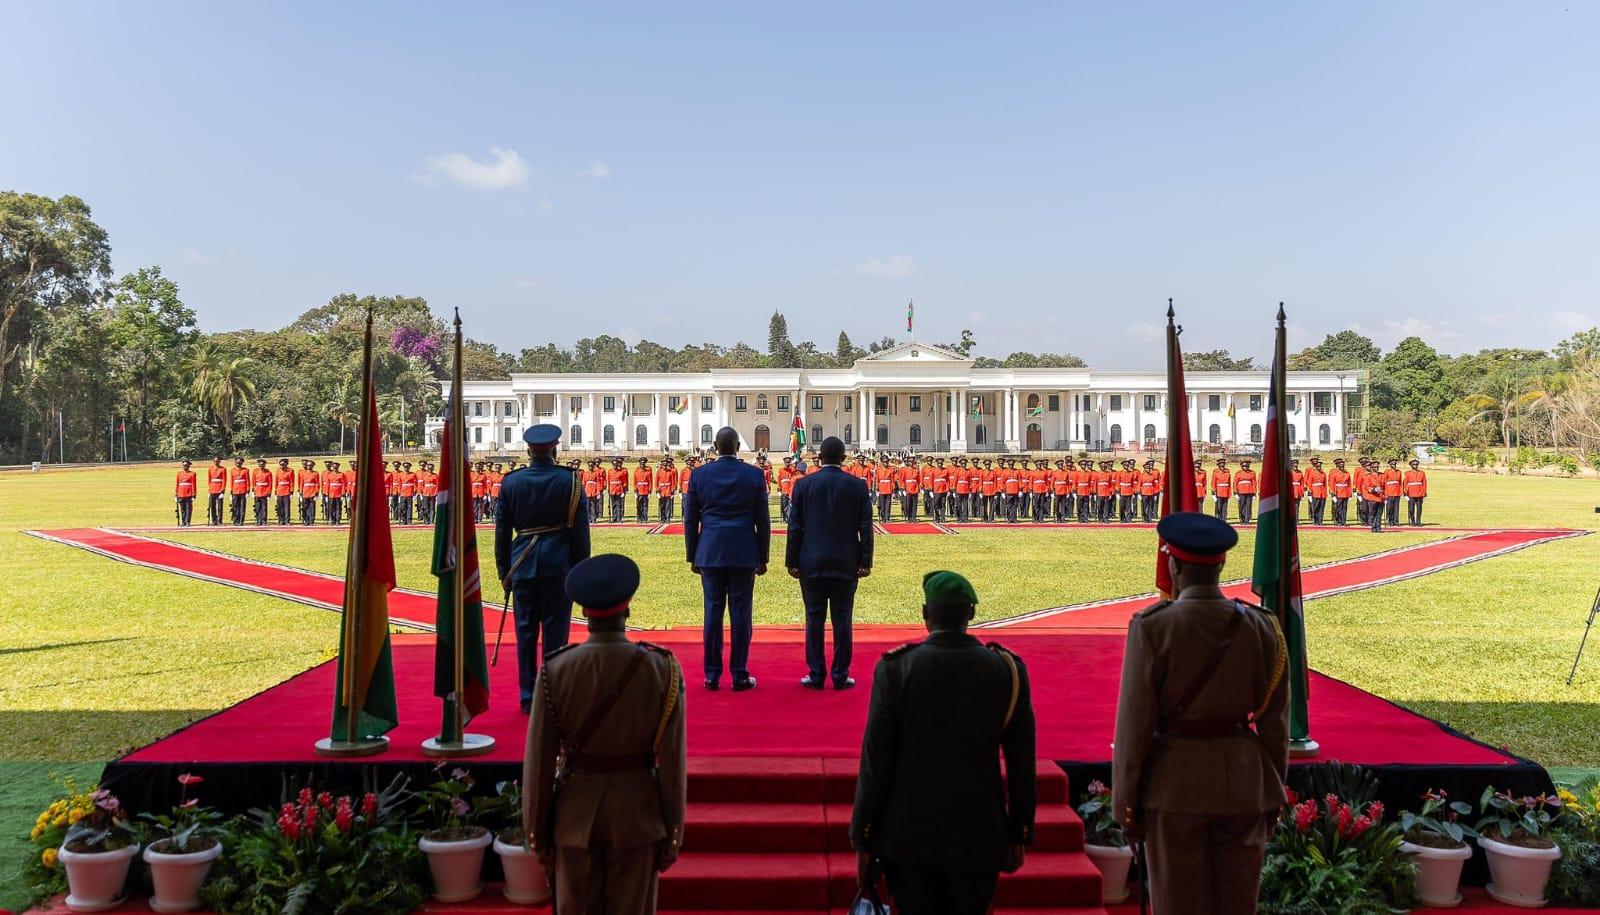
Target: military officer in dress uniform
(540, 533)
(610, 820)
(1202, 738)
(931, 804)
(183, 494)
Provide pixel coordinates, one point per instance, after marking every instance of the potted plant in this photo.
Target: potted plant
(42, 872)
(455, 844)
(190, 841)
(1437, 840)
(526, 880)
(1105, 843)
(1337, 853)
(96, 854)
(1511, 833)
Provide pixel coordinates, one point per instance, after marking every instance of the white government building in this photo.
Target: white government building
(919, 397)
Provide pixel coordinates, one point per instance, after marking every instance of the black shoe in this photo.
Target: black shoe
(810, 682)
(846, 683)
(712, 685)
(740, 686)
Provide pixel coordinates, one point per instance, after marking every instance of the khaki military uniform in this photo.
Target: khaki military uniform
(622, 805)
(1209, 789)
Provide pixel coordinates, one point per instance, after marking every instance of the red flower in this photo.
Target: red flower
(1342, 820)
(1375, 810)
(325, 800)
(1294, 799)
(344, 817)
(369, 806)
(1305, 814)
(186, 780)
(310, 819)
(305, 796)
(1361, 825)
(289, 826)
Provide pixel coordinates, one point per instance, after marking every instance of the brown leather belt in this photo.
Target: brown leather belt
(611, 764)
(1216, 729)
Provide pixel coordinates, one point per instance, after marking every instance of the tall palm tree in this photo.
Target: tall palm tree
(221, 384)
(341, 410)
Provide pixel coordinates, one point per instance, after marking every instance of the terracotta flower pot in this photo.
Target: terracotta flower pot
(526, 882)
(95, 878)
(1517, 875)
(1113, 863)
(178, 876)
(1438, 873)
(456, 865)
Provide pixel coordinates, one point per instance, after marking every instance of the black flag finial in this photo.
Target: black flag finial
(1280, 314)
(1170, 313)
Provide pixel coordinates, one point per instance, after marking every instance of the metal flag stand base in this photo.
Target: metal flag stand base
(1304, 749)
(366, 746)
(469, 745)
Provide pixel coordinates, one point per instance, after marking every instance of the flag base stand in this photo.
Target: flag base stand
(365, 746)
(1304, 749)
(468, 745)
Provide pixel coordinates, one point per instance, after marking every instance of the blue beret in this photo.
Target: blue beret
(543, 434)
(605, 583)
(1197, 537)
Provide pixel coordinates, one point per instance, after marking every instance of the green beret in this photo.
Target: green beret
(946, 589)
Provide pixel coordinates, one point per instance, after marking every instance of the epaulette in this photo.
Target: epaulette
(1159, 605)
(653, 647)
(1253, 606)
(900, 650)
(568, 646)
(999, 649)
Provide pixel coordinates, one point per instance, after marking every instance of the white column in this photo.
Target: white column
(691, 435)
(661, 420)
(561, 415)
(1061, 419)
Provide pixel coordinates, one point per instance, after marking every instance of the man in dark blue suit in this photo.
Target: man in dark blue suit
(829, 550)
(727, 534)
(540, 532)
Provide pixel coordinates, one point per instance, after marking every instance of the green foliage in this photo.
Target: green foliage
(1343, 350)
(189, 822)
(1217, 360)
(1100, 823)
(1575, 879)
(43, 875)
(1417, 377)
(1389, 434)
(1336, 854)
(447, 807)
(1509, 819)
(1438, 822)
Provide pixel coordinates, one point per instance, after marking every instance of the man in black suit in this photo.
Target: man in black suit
(829, 550)
(930, 805)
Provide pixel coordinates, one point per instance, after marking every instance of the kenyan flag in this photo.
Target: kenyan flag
(455, 552)
(1276, 576)
(797, 435)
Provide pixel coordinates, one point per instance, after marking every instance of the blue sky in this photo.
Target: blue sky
(1045, 175)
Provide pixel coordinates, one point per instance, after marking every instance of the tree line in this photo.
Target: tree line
(93, 365)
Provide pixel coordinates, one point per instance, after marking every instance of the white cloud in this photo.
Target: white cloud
(895, 266)
(503, 170)
(596, 169)
(528, 282)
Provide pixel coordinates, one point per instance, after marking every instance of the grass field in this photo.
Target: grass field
(97, 656)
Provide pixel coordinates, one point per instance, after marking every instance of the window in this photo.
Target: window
(477, 435)
(609, 435)
(981, 435)
(1055, 403)
(1149, 432)
(1324, 434)
(916, 434)
(916, 403)
(575, 435)
(674, 437)
(608, 405)
(641, 434)
(1255, 434)
(1215, 434)
(883, 435)
(1322, 403)
(506, 435)
(1149, 401)
(705, 435)
(847, 431)
(849, 404)
(1088, 432)
(1292, 437)
(761, 403)
(816, 401)
(783, 402)
(1255, 401)
(634, 408)
(576, 405)
(673, 402)
(707, 404)
(1116, 433)
(507, 405)
(1214, 402)
(1032, 403)
(1294, 403)
(816, 434)
(880, 405)
(741, 403)
(477, 408)
(1116, 406)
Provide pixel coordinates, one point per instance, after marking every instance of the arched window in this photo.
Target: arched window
(847, 431)
(641, 434)
(1149, 432)
(1324, 434)
(1255, 434)
(1215, 434)
(916, 434)
(609, 435)
(761, 401)
(674, 437)
(1116, 433)
(1292, 437)
(1088, 432)
(816, 435)
(883, 435)
(982, 434)
(1033, 402)
(576, 436)
(705, 435)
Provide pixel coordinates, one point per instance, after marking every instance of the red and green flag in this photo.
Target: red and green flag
(459, 644)
(1179, 494)
(1276, 576)
(364, 701)
(911, 309)
(797, 435)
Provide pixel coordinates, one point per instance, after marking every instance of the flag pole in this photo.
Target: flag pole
(1302, 746)
(353, 743)
(453, 741)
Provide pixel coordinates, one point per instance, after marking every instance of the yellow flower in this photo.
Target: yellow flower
(75, 815)
(48, 859)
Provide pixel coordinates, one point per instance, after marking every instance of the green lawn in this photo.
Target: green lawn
(97, 656)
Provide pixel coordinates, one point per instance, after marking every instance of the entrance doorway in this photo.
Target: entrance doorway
(763, 438)
(1035, 437)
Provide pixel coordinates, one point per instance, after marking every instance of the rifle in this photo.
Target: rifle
(1593, 609)
(177, 515)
